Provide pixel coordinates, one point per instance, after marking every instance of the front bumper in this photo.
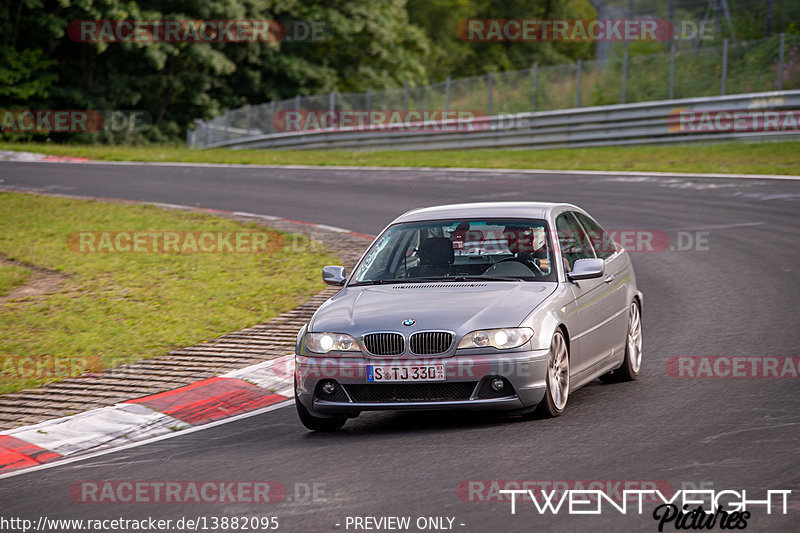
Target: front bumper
(465, 385)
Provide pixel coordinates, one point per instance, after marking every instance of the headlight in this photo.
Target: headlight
(326, 342)
(502, 339)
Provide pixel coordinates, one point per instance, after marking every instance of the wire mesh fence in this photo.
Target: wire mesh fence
(685, 71)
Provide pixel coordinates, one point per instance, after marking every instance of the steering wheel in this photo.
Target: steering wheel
(535, 270)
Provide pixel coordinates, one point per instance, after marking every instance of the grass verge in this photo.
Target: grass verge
(11, 276)
(729, 157)
(114, 308)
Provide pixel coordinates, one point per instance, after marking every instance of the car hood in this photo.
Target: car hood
(458, 307)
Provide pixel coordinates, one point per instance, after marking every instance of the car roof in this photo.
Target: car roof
(482, 210)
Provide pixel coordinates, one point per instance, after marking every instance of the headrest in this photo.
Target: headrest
(436, 251)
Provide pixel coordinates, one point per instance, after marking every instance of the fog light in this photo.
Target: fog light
(497, 384)
(329, 387)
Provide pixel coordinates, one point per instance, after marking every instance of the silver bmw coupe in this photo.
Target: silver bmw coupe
(505, 306)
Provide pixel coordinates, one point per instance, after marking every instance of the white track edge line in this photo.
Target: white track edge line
(435, 169)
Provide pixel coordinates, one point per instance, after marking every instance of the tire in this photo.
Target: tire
(315, 423)
(632, 364)
(557, 380)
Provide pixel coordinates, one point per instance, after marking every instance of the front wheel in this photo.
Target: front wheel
(316, 423)
(557, 379)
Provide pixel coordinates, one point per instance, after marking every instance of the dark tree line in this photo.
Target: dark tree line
(364, 43)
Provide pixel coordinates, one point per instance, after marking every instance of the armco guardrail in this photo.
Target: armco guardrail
(638, 123)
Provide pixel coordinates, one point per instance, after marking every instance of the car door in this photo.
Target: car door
(591, 344)
(618, 277)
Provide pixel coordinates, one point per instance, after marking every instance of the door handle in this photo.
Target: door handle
(609, 278)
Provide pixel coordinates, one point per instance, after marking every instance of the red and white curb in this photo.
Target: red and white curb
(208, 401)
(8, 155)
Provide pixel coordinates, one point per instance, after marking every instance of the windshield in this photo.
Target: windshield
(459, 250)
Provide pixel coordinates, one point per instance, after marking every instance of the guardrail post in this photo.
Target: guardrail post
(247, 115)
(405, 96)
(198, 133)
(624, 95)
(207, 135)
(535, 85)
(272, 106)
(671, 19)
(369, 99)
(672, 71)
(447, 94)
(331, 102)
(297, 102)
(489, 87)
(625, 75)
(724, 66)
(227, 123)
(578, 85)
(780, 61)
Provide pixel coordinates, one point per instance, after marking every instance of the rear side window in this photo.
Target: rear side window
(601, 241)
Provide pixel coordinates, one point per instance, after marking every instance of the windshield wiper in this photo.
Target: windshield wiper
(437, 279)
(487, 278)
(391, 281)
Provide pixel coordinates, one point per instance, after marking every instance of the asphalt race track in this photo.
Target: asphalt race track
(735, 293)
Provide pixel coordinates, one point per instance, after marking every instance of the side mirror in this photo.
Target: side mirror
(334, 275)
(587, 269)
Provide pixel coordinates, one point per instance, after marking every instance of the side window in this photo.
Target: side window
(572, 240)
(601, 241)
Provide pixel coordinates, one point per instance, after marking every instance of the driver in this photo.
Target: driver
(529, 246)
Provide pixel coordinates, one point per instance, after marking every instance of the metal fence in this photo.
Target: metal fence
(687, 71)
(620, 124)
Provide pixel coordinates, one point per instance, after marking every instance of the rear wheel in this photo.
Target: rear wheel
(316, 423)
(557, 379)
(633, 349)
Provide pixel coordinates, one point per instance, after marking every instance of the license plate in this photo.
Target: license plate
(394, 373)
